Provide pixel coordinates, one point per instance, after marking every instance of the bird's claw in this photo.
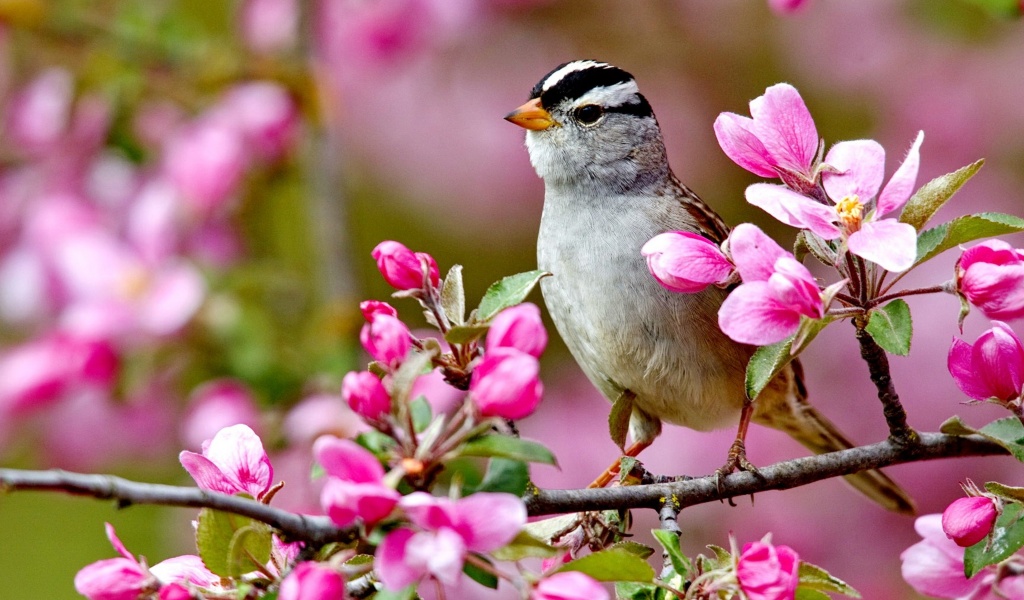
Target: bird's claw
(736, 461)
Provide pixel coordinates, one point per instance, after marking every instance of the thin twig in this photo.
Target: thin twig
(878, 367)
(935, 289)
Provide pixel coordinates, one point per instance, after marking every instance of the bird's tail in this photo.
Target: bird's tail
(783, 406)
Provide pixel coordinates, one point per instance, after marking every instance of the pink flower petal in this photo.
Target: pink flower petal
(206, 474)
(998, 290)
(998, 360)
(569, 585)
(888, 243)
(346, 502)
(861, 167)
(488, 521)
(935, 565)
(736, 136)
(794, 209)
(111, 579)
(750, 315)
(785, 127)
(238, 452)
(187, 568)
(117, 543)
(754, 252)
(961, 367)
(394, 571)
(174, 295)
(347, 460)
(518, 327)
(442, 554)
(967, 521)
(901, 184)
(794, 286)
(685, 262)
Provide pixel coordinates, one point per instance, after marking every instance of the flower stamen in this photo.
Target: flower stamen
(851, 213)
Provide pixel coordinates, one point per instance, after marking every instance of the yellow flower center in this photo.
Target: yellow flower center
(851, 213)
(134, 284)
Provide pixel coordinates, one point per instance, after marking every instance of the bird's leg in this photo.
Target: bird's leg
(737, 458)
(605, 478)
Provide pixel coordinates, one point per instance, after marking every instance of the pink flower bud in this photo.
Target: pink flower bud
(373, 307)
(991, 276)
(968, 520)
(767, 572)
(111, 579)
(386, 339)
(234, 461)
(518, 327)
(570, 585)
(506, 384)
(366, 395)
(312, 581)
(992, 368)
(402, 268)
(686, 262)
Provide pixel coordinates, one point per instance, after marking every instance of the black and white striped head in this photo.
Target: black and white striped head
(587, 121)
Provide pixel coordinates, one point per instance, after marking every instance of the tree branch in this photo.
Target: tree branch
(318, 530)
(878, 366)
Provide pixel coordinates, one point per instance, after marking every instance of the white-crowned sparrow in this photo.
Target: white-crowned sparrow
(594, 140)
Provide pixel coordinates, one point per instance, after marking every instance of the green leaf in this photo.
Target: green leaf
(409, 593)
(525, 545)
(670, 542)
(769, 361)
(507, 292)
(1006, 538)
(635, 548)
(954, 426)
(613, 564)
(1008, 433)
(931, 196)
(504, 446)
(416, 364)
(463, 334)
(809, 243)
(813, 577)
(892, 327)
(545, 529)
(421, 413)
(1011, 493)
(618, 418)
(505, 475)
(231, 545)
(961, 230)
(484, 578)
(628, 590)
(806, 593)
(453, 296)
(376, 442)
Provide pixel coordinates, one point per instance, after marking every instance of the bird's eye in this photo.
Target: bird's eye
(588, 114)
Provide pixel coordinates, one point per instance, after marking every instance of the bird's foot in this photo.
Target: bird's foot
(736, 461)
(614, 469)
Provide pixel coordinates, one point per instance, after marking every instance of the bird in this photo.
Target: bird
(594, 140)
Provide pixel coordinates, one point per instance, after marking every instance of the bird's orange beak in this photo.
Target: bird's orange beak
(531, 116)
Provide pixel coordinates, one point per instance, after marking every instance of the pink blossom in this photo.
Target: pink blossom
(386, 339)
(205, 161)
(366, 395)
(441, 396)
(686, 262)
(233, 462)
(215, 405)
(776, 291)
(369, 308)
(39, 115)
(969, 520)
(767, 572)
(786, 7)
(506, 383)
(518, 327)
(186, 569)
(175, 591)
(991, 276)
(312, 581)
(42, 371)
(449, 529)
(263, 113)
(355, 487)
(402, 268)
(779, 141)
(935, 565)
(854, 178)
(570, 585)
(269, 25)
(320, 414)
(991, 368)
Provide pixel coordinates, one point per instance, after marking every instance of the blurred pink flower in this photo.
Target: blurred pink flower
(779, 141)
(175, 591)
(767, 572)
(935, 565)
(205, 161)
(386, 339)
(506, 383)
(518, 327)
(991, 276)
(858, 170)
(786, 7)
(372, 307)
(233, 462)
(263, 113)
(44, 370)
(686, 262)
(269, 26)
(366, 395)
(570, 585)
(355, 489)
(969, 520)
(371, 34)
(312, 581)
(776, 291)
(185, 569)
(480, 522)
(441, 396)
(39, 115)
(402, 268)
(321, 414)
(993, 367)
(215, 405)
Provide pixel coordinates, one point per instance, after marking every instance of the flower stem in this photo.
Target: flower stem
(914, 292)
(900, 433)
